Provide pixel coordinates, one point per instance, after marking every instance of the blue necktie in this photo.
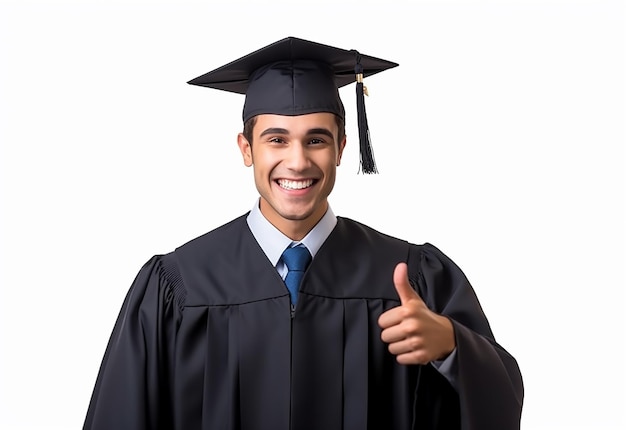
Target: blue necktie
(297, 260)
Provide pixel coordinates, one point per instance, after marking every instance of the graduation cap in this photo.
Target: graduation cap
(296, 77)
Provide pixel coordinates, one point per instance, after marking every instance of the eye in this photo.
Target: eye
(316, 141)
(276, 139)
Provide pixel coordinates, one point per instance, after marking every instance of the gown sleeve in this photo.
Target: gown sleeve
(132, 385)
(488, 381)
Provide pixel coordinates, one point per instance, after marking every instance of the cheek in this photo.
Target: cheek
(330, 171)
(263, 165)
(331, 163)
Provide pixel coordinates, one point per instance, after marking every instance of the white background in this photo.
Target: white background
(500, 139)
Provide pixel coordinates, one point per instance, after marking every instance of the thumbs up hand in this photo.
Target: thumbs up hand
(415, 334)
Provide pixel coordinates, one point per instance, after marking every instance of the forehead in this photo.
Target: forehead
(298, 124)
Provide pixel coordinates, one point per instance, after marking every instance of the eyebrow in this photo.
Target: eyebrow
(323, 131)
(274, 130)
(277, 130)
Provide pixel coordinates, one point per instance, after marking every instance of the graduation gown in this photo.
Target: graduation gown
(206, 339)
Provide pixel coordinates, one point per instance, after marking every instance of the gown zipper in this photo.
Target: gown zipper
(293, 312)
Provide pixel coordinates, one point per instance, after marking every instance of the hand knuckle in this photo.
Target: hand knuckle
(415, 343)
(412, 325)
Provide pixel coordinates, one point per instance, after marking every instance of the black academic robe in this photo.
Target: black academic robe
(206, 339)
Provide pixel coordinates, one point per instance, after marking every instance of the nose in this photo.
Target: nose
(297, 158)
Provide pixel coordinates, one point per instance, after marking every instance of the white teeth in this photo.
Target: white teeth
(295, 185)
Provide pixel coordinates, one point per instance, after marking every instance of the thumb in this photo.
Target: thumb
(403, 286)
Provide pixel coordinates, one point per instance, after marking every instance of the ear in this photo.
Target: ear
(245, 148)
(342, 145)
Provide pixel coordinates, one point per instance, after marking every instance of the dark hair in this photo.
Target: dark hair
(248, 126)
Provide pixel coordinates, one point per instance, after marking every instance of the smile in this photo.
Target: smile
(294, 185)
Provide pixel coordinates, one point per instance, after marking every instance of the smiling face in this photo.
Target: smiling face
(295, 160)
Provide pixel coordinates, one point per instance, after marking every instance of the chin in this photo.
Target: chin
(296, 216)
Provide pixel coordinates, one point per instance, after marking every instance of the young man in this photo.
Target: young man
(289, 317)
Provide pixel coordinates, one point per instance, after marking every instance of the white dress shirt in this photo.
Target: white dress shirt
(273, 242)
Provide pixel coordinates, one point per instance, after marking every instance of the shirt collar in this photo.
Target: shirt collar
(273, 242)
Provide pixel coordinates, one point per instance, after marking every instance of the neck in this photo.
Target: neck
(296, 231)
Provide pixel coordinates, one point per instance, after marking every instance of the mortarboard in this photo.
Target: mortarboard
(295, 77)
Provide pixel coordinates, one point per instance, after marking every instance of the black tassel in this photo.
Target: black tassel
(368, 165)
